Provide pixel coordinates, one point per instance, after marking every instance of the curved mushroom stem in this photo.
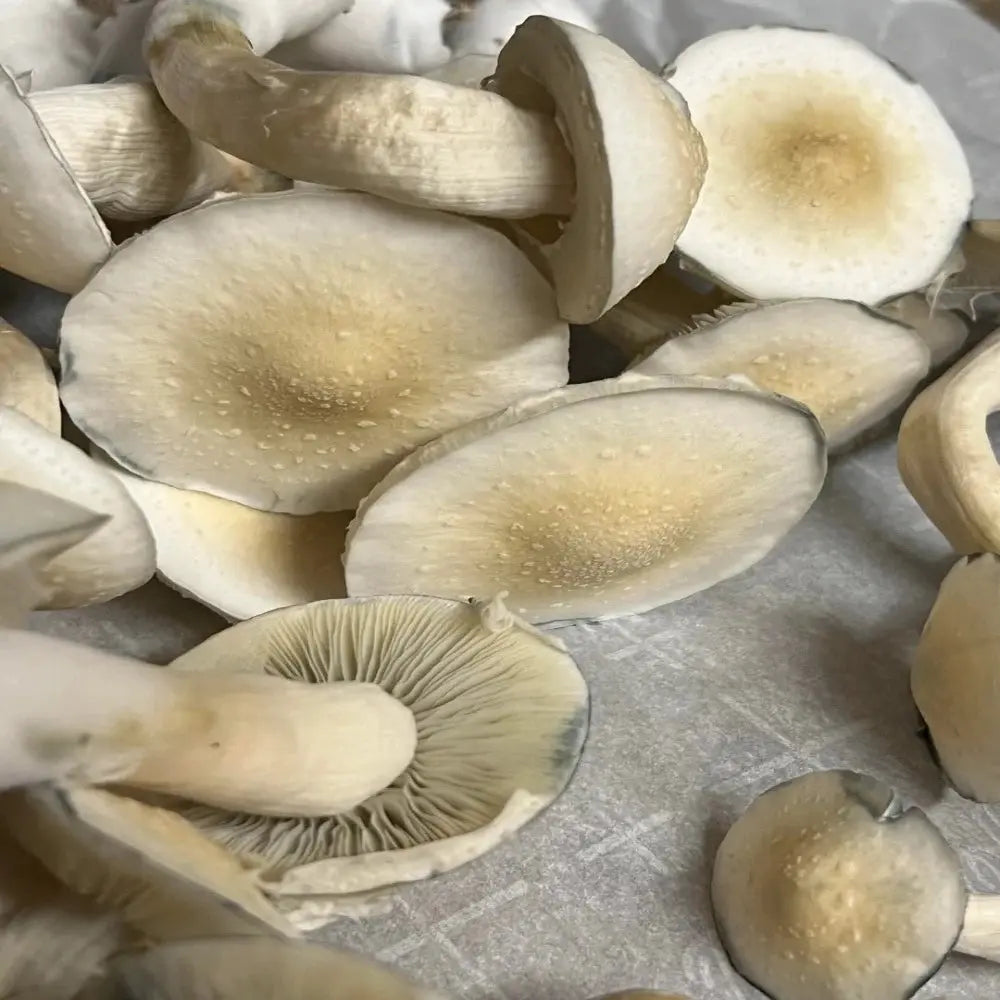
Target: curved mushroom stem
(409, 139)
(133, 158)
(249, 743)
(981, 931)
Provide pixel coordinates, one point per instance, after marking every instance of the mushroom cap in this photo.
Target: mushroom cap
(501, 714)
(640, 995)
(639, 161)
(50, 231)
(955, 674)
(826, 888)
(113, 560)
(831, 174)
(237, 560)
(483, 27)
(50, 43)
(26, 381)
(144, 862)
(35, 527)
(471, 71)
(852, 367)
(593, 501)
(970, 279)
(262, 968)
(285, 350)
(942, 330)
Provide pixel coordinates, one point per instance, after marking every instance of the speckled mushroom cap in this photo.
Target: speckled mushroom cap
(501, 713)
(26, 381)
(639, 161)
(597, 500)
(285, 350)
(827, 888)
(830, 173)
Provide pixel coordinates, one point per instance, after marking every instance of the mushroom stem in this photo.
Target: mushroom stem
(981, 931)
(406, 138)
(132, 157)
(257, 744)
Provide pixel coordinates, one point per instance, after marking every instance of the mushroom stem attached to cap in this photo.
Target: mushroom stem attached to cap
(261, 744)
(406, 138)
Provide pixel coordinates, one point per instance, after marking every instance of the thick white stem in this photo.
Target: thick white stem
(981, 932)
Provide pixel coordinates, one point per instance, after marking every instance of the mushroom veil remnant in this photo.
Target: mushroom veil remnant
(831, 174)
(597, 500)
(288, 349)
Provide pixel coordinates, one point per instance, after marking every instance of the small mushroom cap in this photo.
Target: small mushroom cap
(639, 161)
(50, 43)
(849, 365)
(116, 558)
(50, 232)
(26, 381)
(826, 888)
(286, 350)
(597, 500)
(237, 560)
(501, 713)
(831, 174)
(955, 676)
(262, 968)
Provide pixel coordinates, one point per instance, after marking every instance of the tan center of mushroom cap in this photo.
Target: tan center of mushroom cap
(277, 747)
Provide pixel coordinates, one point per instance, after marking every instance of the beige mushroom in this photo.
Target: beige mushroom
(943, 330)
(117, 557)
(944, 454)
(971, 282)
(597, 500)
(26, 381)
(831, 173)
(287, 349)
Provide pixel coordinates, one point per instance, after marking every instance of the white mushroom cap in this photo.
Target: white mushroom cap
(593, 501)
(852, 367)
(237, 560)
(501, 715)
(465, 71)
(943, 330)
(831, 174)
(483, 27)
(114, 559)
(826, 888)
(640, 162)
(945, 456)
(955, 677)
(285, 350)
(26, 381)
(262, 968)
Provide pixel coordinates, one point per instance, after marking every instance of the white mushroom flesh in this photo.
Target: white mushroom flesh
(285, 351)
(597, 500)
(26, 381)
(831, 173)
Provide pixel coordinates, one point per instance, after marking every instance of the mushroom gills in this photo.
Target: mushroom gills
(827, 888)
(849, 365)
(597, 500)
(831, 174)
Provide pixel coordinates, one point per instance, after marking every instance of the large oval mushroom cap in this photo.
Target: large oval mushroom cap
(117, 557)
(26, 381)
(849, 365)
(597, 500)
(828, 889)
(831, 174)
(955, 678)
(501, 713)
(285, 350)
(262, 968)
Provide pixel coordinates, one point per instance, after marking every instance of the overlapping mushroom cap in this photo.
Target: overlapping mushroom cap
(26, 381)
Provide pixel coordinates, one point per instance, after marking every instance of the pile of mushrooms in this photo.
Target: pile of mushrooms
(321, 260)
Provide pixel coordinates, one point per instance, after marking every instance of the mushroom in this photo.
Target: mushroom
(851, 366)
(641, 995)
(944, 453)
(943, 330)
(972, 281)
(501, 715)
(237, 560)
(597, 500)
(26, 381)
(634, 187)
(954, 677)
(827, 888)
(110, 150)
(263, 968)
(285, 350)
(113, 560)
(831, 174)
(464, 71)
